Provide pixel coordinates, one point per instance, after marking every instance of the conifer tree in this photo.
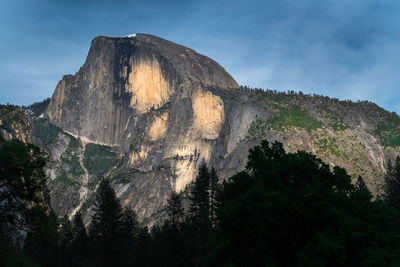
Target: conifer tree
(80, 241)
(200, 198)
(392, 187)
(175, 211)
(130, 223)
(215, 196)
(106, 226)
(199, 216)
(129, 238)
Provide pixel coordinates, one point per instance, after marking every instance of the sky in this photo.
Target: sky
(349, 49)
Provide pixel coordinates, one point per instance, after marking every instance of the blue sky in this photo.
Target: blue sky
(341, 48)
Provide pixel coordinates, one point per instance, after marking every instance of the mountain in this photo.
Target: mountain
(143, 112)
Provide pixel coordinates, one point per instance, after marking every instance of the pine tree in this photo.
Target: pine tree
(215, 196)
(80, 241)
(392, 187)
(200, 226)
(106, 227)
(130, 223)
(129, 237)
(175, 211)
(200, 198)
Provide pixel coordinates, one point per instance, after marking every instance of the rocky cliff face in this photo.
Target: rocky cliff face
(143, 112)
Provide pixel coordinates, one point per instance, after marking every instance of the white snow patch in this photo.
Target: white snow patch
(41, 115)
(132, 35)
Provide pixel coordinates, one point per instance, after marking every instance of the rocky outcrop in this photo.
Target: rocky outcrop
(143, 112)
(15, 123)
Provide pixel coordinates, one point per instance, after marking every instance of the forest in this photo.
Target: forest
(284, 209)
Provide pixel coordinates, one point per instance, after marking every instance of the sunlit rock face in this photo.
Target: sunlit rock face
(209, 114)
(147, 86)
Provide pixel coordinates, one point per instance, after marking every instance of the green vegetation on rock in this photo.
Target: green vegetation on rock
(98, 159)
(39, 108)
(335, 120)
(46, 131)
(389, 130)
(12, 114)
(294, 116)
(66, 178)
(330, 146)
(288, 118)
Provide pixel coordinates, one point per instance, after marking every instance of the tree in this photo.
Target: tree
(199, 229)
(290, 209)
(23, 206)
(200, 198)
(175, 211)
(215, 196)
(130, 223)
(106, 226)
(171, 234)
(22, 181)
(80, 241)
(392, 185)
(129, 237)
(41, 240)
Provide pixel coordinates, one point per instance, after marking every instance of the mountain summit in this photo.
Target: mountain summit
(126, 77)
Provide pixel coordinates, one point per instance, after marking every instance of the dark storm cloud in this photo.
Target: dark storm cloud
(345, 49)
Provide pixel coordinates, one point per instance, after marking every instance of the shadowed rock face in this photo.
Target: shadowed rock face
(144, 112)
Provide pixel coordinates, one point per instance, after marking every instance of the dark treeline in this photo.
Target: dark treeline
(267, 91)
(284, 209)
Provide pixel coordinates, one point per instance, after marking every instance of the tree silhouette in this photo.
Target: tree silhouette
(106, 226)
(215, 196)
(129, 237)
(200, 199)
(175, 211)
(392, 186)
(80, 242)
(290, 209)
